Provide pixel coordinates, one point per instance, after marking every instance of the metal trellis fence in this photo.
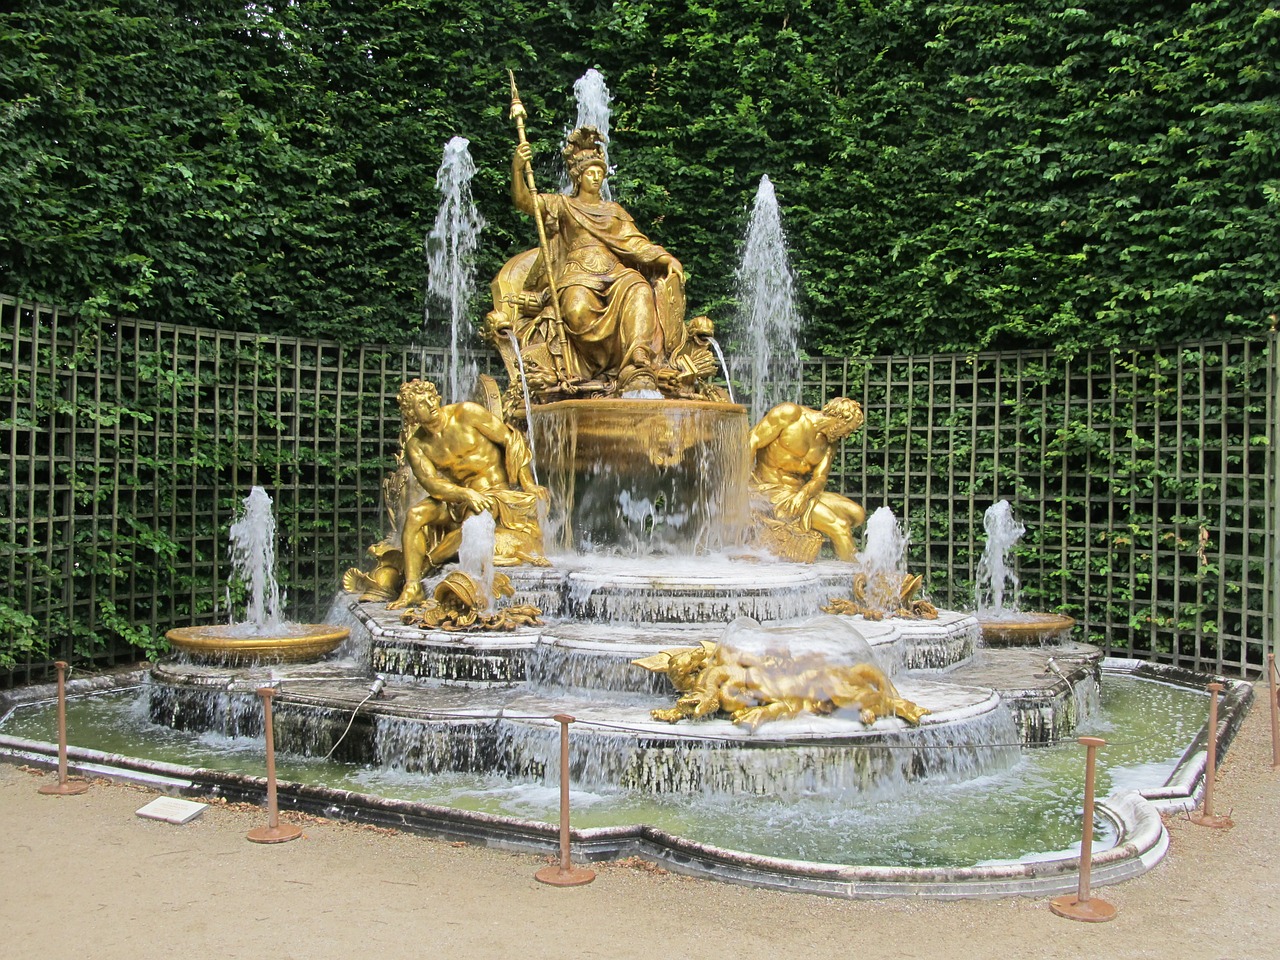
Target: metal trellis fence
(1146, 479)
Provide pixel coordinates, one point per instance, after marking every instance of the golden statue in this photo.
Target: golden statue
(884, 595)
(792, 449)
(753, 688)
(467, 461)
(597, 307)
(593, 311)
(459, 603)
(692, 365)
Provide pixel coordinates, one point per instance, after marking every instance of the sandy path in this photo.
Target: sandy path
(84, 876)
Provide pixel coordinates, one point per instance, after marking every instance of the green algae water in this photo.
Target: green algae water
(1030, 810)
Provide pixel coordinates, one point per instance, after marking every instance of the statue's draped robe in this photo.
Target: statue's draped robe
(598, 248)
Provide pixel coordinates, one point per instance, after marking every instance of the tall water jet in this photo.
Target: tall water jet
(997, 582)
(253, 562)
(593, 98)
(263, 635)
(768, 323)
(997, 586)
(883, 562)
(451, 247)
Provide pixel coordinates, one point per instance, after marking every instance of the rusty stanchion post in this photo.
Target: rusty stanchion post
(1082, 906)
(1206, 817)
(64, 787)
(1275, 710)
(564, 874)
(274, 831)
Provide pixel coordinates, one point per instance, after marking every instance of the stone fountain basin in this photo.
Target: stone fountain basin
(1025, 629)
(1140, 843)
(232, 643)
(615, 743)
(595, 656)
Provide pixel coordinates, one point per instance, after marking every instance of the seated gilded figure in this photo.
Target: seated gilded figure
(466, 460)
(792, 449)
(597, 309)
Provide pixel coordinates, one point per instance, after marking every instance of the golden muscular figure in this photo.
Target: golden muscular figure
(792, 449)
(620, 296)
(467, 460)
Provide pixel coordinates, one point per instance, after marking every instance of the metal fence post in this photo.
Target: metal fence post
(1271, 490)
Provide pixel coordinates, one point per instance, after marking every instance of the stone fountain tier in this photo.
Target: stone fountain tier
(678, 590)
(426, 728)
(572, 651)
(585, 656)
(1050, 689)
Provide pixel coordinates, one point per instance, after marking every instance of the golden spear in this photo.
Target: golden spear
(518, 114)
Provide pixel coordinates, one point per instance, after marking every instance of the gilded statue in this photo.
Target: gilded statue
(754, 688)
(459, 603)
(466, 460)
(884, 595)
(792, 449)
(692, 364)
(596, 307)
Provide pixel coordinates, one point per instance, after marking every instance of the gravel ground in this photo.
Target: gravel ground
(84, 876)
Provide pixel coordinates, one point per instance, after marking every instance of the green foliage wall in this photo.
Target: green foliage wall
(1147, 478)
(954, 176)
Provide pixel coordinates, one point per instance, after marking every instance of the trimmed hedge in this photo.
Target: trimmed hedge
(954, 176)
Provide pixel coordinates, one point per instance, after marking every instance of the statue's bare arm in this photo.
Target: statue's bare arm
(498, 433)
(771, 426)
(521, 195)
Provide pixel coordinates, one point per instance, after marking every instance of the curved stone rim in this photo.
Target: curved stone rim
(1141, 836)
(216, 643)
(1025, 630)
(1141, 843)
(620, 405)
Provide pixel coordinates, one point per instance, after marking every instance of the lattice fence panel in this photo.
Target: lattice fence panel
(1146, 479)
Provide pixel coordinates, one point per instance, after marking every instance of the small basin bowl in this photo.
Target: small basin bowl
(229, 643)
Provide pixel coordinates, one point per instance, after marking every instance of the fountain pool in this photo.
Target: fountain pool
(1028, 813)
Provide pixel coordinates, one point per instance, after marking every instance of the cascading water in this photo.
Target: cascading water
(997, 583)
(724, 365)
(883, 560)
(475, 553)
(679, 490)
(451, 247)
(530, 432)
(768, 323)
(593, 97)
(253, 563)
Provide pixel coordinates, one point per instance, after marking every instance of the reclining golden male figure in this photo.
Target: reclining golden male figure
(466, 460)
(792, 450)
(756, 688)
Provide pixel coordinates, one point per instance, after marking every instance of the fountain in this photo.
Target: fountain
(451, 246)
(593, 99)
(1002, 622)
(768, 321)
(263, 636)
(628, 584)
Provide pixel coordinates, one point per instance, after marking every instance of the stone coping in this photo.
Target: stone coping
(1141, 841)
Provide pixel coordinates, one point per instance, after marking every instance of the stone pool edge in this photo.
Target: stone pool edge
(1142, 840)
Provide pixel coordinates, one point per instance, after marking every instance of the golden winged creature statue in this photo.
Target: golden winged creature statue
(754, 688)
